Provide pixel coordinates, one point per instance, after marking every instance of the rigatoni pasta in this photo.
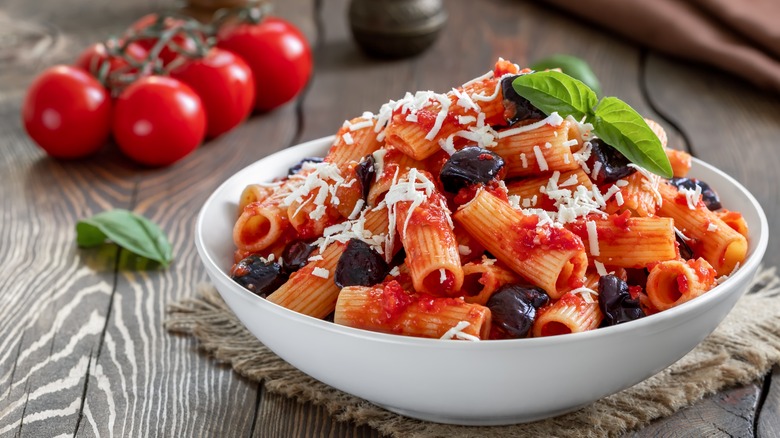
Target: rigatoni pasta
(472, 215)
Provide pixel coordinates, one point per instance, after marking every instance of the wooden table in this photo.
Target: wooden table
(82, 346)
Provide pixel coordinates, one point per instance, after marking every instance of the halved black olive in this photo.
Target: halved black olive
(366, 172)
(710, 198)
(513, 309)
(297, 168)
(470, 165)
(360, 265)
(516, 107)
(258, 276)
(614, 165)
(296, 256)
(616, 303)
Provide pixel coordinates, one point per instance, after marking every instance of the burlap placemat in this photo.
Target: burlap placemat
(744, 347)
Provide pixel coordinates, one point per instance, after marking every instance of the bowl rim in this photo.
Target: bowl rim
(716, 293)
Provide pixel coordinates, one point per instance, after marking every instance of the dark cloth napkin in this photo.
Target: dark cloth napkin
(738, 36)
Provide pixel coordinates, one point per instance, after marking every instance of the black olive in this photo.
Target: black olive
(614, 165)
(710, 198)
(297, 168)
(513, 309)
(470, 165)
(296, 256)
(685, 251)
(616, 303)
(360, 265)
(258, 276)
(516, 107)
(366, 172)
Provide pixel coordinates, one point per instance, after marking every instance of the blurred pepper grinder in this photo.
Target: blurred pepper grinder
(396, 28)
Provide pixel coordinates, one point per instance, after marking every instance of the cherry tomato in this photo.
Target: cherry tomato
(92, 58)
(168, 53)
(67, 112)
(277, 53)
(158, 120)
(225, 85)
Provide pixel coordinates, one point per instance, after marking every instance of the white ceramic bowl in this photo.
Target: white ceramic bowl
(474, 383)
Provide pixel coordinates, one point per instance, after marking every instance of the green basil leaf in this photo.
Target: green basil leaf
(624, 129)
(552, 91)
(572, 66)
(132, 232)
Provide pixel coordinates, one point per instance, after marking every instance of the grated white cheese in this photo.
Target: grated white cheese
(619, 198)
(595, 173)
(361, 125)
(712, 227)
(444, 101)
(547, 145)
(692, 197)
(488, 75)
(442, 275)
(465, 120)
(356, 211)
(315, 258)
(395, 272)
(464, 250)
(566, 159)
(457, 332)
(320, 272)
(415, 188)
(379, 162)
(553, 120)
(523, 160)
(570, 143)
(347, 137)
(540, 159)
(651, 181)
(569, 182)
(587, 294)
(593, 238)
(600, 268)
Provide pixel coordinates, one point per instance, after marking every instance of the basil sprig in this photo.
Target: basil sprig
(132, 232)
(614, 121)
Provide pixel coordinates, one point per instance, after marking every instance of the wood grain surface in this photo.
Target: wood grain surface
(82, 347)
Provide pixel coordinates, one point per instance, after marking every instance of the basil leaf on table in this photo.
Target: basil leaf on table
(130, 231)
(552, 91)
(572, 66)
(624, 129)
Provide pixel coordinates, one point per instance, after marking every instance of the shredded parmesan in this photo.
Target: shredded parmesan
(692, 196)
(395, 272)
(347, 137)
(553, 120)
(712, 227)
(457, 332)
(540, 159)
(315, 258)
(523, 160)
(464, 250)
(593, 238)
(587, 294)
(320, 272)
(600, 268)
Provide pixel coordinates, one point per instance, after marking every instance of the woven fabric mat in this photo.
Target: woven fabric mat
(744, 347)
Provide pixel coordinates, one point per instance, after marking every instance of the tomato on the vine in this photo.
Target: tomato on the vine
(67, 112)
(178, 43)
(93, 57)
(158, 120)
(225, 85)
(277, 53)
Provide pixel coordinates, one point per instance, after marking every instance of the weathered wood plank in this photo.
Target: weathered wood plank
(768, 424)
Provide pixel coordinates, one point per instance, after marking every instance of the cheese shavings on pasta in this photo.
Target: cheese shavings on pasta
(416, 188)
(692, 196)
(320, 272)
(457, 332)
(322, 178)
(587, 294)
